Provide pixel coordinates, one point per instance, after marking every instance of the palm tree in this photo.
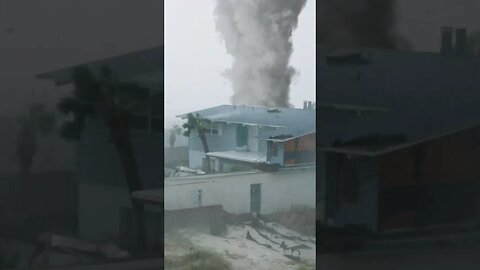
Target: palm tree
(104, 99)
(36, 119)
(195, 122)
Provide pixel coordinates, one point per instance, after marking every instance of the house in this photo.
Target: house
(398, 142)
(254, 136)
(104, 199)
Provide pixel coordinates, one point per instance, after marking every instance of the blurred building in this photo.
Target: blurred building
(397, 146)
(104, 201)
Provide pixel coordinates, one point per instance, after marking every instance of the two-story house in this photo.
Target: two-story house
(253, 136)
(104, 200)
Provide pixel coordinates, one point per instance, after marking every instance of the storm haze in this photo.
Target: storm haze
(39, 36)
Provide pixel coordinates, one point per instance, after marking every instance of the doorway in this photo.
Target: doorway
(255, 198)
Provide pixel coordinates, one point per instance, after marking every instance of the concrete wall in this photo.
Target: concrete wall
(279, 191)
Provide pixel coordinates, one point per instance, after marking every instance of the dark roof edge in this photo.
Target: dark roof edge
(48, 75)
(393, 148)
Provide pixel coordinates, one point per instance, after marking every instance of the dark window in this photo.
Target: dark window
(146, 114)
(242, 135)
(255, 198)
(274, 150)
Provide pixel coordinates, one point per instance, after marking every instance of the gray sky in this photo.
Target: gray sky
(195, 58)
(420, 20)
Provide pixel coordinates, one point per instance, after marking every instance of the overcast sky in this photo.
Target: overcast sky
(195, 58)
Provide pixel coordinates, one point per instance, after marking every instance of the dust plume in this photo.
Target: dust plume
(257, 33)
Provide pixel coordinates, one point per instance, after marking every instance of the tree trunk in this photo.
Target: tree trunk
(123, 145)
(205, 148)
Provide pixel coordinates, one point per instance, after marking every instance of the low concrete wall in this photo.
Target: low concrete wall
(211, 217)
(279, 190)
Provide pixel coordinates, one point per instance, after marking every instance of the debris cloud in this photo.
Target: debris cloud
(257, 33)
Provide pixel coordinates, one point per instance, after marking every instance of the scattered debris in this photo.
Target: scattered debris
(113, 252)
(184, 171)
(245, 248)
(62, 250)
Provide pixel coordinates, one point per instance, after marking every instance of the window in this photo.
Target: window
(213, 129)
(242, 135)
(146, 114)
(274, 149)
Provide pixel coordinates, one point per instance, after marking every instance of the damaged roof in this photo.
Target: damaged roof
(289, 123)
(381, 132)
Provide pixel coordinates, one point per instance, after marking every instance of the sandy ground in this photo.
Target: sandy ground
(245, 254)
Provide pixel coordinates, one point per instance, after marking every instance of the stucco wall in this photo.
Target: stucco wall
(279, 191)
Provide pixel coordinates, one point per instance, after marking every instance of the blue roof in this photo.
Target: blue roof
(290, 123)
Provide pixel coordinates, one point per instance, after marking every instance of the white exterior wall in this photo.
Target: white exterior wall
(195, 159)
(253, 138)
(279, 191)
